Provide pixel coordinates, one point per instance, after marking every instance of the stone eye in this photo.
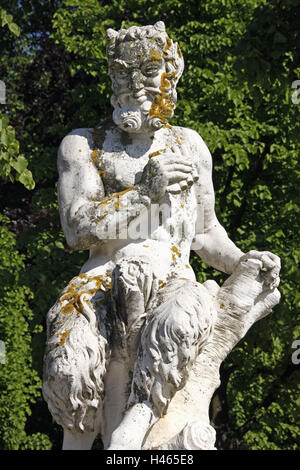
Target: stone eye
(122, 73)
(151, 71)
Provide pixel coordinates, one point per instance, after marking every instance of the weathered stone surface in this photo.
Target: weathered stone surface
(134, 343)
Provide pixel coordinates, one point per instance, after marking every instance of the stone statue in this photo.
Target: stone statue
(134, 343)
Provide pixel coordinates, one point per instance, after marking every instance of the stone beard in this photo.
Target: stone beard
(145, 66)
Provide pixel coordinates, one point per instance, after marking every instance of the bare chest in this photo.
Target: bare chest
(121, 162)
(120, 171)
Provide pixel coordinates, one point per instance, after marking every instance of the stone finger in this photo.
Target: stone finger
(268, 263)
(177, 176)
(171, 159)
(183, 184)
(179, 167)
(174, 188)
(190, 180)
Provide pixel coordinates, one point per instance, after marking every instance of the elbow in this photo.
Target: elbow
(73, 240)
(74, 235)
(74, 229)
(81, 237)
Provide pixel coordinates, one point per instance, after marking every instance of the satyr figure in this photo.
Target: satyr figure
(134, 343)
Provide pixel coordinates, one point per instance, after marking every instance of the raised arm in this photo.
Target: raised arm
(211, 241)
(87, 216)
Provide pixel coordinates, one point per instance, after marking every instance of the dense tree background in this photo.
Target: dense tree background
(241, 57)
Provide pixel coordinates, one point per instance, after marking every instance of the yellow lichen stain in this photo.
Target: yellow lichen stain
(182, 206)
(146, 246)
(74, 292)
(67, 309)
(107, 284)
(101, 173)
(154, 154)
(114, 196)
(175, 250)
(79, 150)
(187, 266)
(179, 51)
(117, 204)
(63, 337)
(72, 298)
(161, 284)
(165, 80)
(95, 156)
(184, 279)
(103, 215)
(162, 107)
(154, 55)
(82, 276)
(222, 305)
(99, 282)
(169, 44)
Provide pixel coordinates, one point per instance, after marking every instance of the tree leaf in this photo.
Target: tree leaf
(26, 178)
(14, 29)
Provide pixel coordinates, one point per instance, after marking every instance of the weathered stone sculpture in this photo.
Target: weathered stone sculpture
(134, 343)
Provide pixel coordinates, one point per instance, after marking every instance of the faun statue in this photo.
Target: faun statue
(134, 342)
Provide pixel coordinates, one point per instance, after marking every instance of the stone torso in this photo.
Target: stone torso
(172, 222)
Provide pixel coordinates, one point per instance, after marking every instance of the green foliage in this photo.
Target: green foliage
(7, 19)
(9, 146)
(10, 159)
(19, 383)
(241, 58)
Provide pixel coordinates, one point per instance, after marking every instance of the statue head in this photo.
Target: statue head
(144, 65)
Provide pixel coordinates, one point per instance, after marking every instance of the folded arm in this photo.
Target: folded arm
(88, 217)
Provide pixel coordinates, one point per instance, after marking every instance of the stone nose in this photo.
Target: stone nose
(136, 81)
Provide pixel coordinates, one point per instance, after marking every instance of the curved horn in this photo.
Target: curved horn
(111, 34)
(160, 26)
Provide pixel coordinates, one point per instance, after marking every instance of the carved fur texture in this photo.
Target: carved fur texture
(134, 289)
(173, 336)
(77, 353)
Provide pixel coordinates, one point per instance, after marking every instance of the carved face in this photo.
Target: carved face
(141, 86)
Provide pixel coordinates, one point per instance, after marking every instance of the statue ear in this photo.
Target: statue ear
(111, 34)
(160, 26)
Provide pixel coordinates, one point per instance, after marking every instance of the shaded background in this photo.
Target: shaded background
(241, 58)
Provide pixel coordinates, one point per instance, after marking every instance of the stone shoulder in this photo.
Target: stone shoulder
(75, 147)
(197, 144)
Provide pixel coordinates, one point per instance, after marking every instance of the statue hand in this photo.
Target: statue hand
(170, 171)
(270, 266)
